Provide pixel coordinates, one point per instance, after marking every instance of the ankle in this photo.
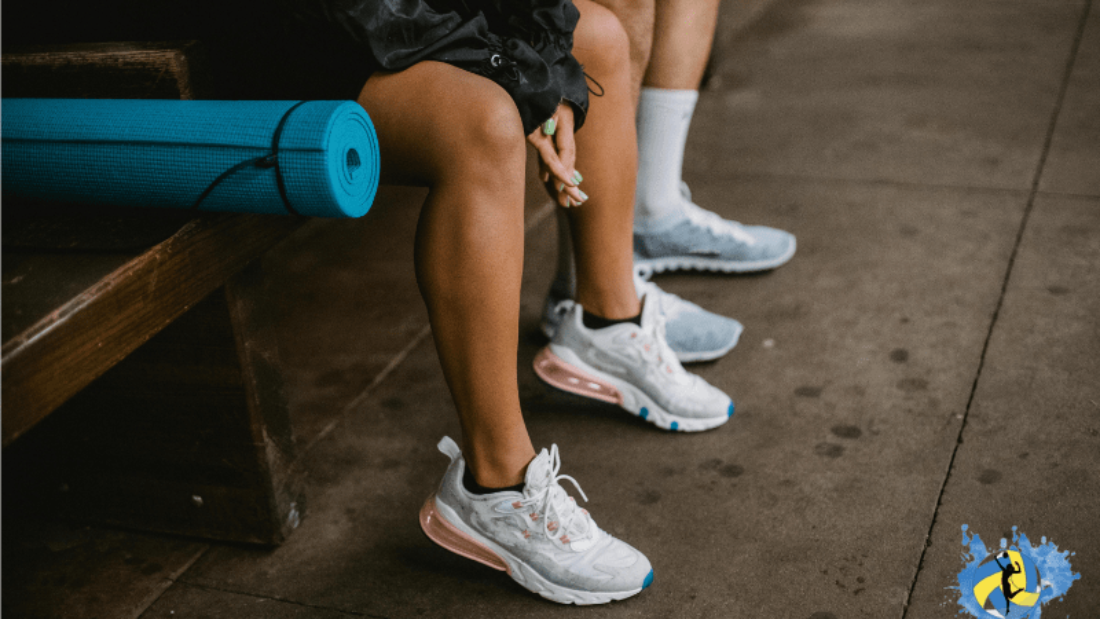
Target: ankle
(472, 486)
(610, 304)
(595, 321)
(502, 471)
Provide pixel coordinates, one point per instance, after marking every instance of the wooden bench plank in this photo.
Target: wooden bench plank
(50, 361)
(140, 70)
(189, 434)
(149, 333)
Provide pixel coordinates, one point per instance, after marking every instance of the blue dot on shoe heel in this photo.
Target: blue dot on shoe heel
(675, 425)
(730, 411)
(644, 413)
(648, 579)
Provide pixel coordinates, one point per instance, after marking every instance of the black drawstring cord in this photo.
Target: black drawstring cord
(270, 160)
(594, 93)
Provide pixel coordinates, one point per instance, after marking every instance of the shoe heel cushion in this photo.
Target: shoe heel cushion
(557, 373)
(442, 532)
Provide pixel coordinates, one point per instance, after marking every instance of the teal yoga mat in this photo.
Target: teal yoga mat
(315, 158)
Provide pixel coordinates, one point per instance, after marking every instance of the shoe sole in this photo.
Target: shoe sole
(572, 375)
(443, 526)
(646, 267)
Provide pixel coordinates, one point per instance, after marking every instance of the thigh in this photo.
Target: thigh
(432, 117)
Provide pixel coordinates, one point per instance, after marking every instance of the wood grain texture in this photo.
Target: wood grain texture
(53, 359)
(180, 436)
(142, 70)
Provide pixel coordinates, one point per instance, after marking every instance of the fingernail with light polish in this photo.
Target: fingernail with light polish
(577, 178)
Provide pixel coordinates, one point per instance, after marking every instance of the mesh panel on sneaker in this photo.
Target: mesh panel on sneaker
(702, 240)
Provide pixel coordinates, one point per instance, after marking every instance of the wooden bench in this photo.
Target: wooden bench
(140, 376)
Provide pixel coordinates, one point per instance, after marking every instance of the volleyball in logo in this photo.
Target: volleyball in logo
(1007, 585)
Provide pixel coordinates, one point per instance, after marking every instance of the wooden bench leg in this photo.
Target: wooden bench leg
(190, 434)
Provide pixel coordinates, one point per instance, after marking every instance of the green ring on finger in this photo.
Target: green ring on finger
(549, 127)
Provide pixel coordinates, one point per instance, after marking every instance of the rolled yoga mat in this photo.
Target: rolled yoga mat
(315, 158)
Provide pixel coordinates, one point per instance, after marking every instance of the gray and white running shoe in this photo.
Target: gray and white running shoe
(632, 367)
(693, 333)
(540, 537)
(703, 241)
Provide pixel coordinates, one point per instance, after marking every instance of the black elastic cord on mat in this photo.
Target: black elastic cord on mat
(266, 161)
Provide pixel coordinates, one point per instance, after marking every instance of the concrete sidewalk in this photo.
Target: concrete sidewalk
(930, 358)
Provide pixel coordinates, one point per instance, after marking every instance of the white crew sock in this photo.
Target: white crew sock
(664, 117)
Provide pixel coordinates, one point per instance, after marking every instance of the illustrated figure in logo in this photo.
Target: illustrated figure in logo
(1005, 582)
(1006, 585)
(1007, 572)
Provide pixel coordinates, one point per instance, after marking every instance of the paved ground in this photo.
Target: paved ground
(928, 360)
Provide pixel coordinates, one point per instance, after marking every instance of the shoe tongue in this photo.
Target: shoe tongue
(538, 473)
(650, 309)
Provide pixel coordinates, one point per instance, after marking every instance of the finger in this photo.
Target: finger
(563, 200)
(566, 142)
(553, 163)
(566, 196)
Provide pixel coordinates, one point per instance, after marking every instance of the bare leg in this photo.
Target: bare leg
(469, 252)
(469, 243)
(681, 44)
(607, 156)
(637, 18)
(682, 38)
(669, 43)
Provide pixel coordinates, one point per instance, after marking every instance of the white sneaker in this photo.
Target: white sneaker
(539, 536)
(633, 367)
(693, 333)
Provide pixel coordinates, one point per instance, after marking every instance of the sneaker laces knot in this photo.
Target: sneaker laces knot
(655, 348)
(716, 224)
(560, 516)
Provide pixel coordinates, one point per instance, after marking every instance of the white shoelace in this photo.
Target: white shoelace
(570, 524)
(715, 223)
(670, 305)
(655, 349)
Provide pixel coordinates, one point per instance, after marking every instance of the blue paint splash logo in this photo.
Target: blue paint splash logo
(1014, 581)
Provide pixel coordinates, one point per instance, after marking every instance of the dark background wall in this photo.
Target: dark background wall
(254, 49)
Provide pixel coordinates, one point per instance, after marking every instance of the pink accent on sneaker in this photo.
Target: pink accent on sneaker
(516, 505)
(560, 374)
(452, 538)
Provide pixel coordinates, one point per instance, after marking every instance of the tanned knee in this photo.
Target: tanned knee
(601, 41)
(493, 126)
